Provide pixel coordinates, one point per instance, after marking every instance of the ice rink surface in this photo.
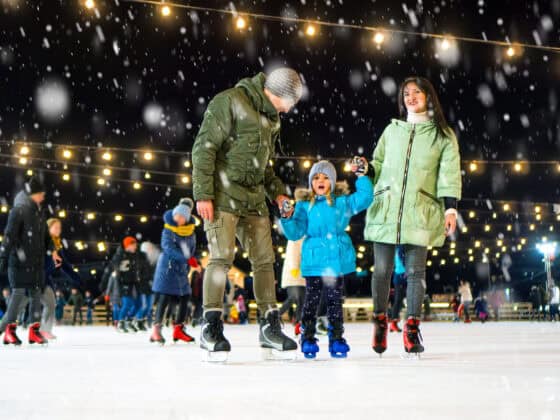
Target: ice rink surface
(506, 370)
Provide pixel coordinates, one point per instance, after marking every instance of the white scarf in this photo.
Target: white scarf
(419, 117)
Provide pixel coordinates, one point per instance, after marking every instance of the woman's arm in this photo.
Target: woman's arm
(449, 172)
(378, 157)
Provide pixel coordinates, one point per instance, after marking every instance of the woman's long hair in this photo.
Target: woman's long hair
(432, 101)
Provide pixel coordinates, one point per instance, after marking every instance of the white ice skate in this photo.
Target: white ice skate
(274, 343)
(212, 341)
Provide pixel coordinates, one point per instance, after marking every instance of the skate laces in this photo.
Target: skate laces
(216, 329)
(275, 323)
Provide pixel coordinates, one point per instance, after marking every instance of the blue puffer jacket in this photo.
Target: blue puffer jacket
(172, 267)
(327, 249)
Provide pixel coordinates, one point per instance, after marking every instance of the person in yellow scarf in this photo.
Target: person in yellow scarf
(178, 245)
(48, 298)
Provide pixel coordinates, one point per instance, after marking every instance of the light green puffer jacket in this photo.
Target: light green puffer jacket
(414, 170)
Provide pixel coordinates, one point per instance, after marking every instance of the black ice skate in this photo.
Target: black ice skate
(212, 338)
(121, 327)
(275, 344)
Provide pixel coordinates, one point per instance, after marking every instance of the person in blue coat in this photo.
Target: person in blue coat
(178, 245)
(327, 251)
(399, 282)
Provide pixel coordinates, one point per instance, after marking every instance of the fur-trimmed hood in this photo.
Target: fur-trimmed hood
(304, 194)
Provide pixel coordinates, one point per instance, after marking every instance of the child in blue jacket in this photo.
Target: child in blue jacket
(178, 245)
(327, 252)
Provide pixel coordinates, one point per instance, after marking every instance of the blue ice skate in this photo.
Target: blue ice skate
(338, 348)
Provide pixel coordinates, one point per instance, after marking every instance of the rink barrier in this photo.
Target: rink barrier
(355, 310)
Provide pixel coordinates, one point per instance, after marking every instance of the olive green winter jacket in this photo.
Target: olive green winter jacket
(233, 148)
(414, 170)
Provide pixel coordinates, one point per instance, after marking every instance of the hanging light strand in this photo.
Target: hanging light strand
(273, 18)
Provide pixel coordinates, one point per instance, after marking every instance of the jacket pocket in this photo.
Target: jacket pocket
(377, 213)
(429, 211)
(213, 231)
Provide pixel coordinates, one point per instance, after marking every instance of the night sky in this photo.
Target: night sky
(124, 76)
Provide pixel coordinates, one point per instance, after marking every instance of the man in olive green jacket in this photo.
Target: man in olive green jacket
(232, 178)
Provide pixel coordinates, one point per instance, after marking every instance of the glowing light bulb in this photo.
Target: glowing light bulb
(517, 167)
(62, 214)
(310, 30)
(510, 52)
(165, 11)
(143, 219)
(187, 163)
(90, 216)
(118, 218)
(90, 4)
(445, 44)
(240, 23)
(378, 38)
(101, 181)
(307, 164)
(507, 207)
(101, 247)
(148, 156)
(136, 186)
(24, 151)
(473, 167)
(107, 172)
(66, 154)
(66, 177)
(106, 156)
(185, 179)
(23, 161)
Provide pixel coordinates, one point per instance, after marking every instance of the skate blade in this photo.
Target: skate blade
(273, 354)
(215, 356)
(339, 355)
(177, 341)
(411, 356)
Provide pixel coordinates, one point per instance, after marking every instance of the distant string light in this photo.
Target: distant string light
(310, 30)
(378, 38)
(90, 4)
(165, 11)
(317, 23)
(241, 23)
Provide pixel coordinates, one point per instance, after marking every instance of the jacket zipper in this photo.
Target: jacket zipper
(406, 167)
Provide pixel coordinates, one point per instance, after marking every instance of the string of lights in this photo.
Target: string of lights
(107, 154)
(66, 176)
(311, 27)
(106, 177)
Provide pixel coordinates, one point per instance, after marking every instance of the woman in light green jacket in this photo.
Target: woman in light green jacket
(417, 177)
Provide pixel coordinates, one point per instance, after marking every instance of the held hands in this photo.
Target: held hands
(205, 209)
(56, 258)
(285, 206)
(450, 224)
(359, 166)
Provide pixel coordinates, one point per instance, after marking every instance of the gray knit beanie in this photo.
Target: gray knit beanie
(323, 167)
(285, 83)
